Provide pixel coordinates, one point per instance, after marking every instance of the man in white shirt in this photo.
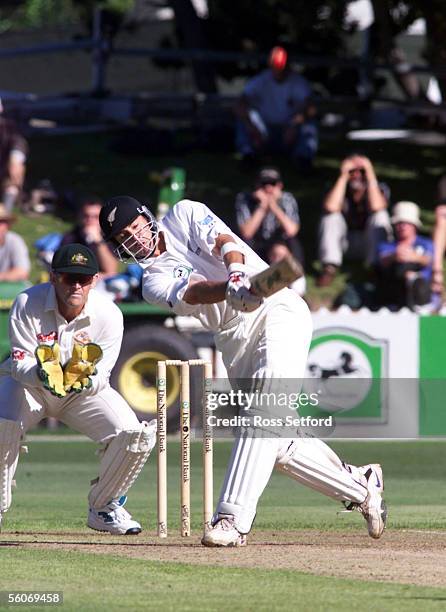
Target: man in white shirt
(65, 339)
(194, 264)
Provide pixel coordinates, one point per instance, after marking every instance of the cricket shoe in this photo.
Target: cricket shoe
(224, 533)
(374, 508)
(115, 520)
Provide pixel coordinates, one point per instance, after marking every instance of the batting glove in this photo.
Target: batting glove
(238, 294)
(49, 369)
(81, 367)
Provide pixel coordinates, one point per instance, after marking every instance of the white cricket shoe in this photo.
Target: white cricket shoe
(116, 520)
(374, 508)
(224, 533)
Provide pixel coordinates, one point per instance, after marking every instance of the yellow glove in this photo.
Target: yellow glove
(50, 371)
(81, 366)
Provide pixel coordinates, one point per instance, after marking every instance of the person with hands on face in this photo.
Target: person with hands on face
(65, 339)
(88, 232)
(269, 215)
(355, 217)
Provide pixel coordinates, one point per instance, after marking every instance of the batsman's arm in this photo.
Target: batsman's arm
(205, 292)
(212, 292)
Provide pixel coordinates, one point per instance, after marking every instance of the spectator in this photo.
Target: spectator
(405, 265)
(269, 214)
(275, 112)
(88, 233)
(439, 239)
(13, 152)
(355, 217)
(14, 257)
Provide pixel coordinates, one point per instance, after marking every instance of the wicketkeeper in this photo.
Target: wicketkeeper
(195, 265)
(65, 339)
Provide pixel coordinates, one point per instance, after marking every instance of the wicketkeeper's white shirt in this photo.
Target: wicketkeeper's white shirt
(35, 319)
(190, 230)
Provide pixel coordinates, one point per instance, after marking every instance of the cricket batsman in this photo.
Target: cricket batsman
(65, 339)
(195, 265)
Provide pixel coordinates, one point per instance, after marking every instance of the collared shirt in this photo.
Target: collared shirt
(35, 319)
(277, 101)
(421, 245)
(246, 204)
(190, 230)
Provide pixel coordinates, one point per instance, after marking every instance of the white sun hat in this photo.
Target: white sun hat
(406, 212)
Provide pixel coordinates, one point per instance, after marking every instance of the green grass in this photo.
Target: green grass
(97, 582)
(53, 482)
(89, 163)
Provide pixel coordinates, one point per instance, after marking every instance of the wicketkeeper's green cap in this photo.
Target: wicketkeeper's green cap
(75, 259)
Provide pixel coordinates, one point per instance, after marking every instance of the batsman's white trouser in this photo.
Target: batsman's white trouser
(271, 346)
(101, 417)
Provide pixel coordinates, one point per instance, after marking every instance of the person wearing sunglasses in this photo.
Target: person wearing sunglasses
(65, 339)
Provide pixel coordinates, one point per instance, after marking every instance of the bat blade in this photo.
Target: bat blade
(276, 277)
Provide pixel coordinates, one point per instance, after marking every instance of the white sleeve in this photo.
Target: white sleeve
(22, 339)
(201, 224)
(158, 288)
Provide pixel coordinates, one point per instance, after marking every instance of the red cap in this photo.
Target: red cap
(278, 58)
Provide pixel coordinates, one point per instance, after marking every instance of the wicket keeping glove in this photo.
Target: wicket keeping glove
(238, 294)
(50, 371)
(82, 365)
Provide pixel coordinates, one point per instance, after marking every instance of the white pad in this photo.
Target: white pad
(249, 470)
(10, 434)
(316, 465)
(122, 461)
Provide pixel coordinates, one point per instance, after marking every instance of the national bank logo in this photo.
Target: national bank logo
(348, 371)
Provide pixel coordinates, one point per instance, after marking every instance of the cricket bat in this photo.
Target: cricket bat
(276, 277)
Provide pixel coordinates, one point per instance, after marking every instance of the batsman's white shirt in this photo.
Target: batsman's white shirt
(190, 230)
(99, 412)
(269, 346)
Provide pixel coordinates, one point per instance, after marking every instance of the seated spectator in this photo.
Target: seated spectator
(269, 214)
(275, 112)
(88, 232)
(355, 217)
(405, 265)
(13, 152)
(14, 257)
